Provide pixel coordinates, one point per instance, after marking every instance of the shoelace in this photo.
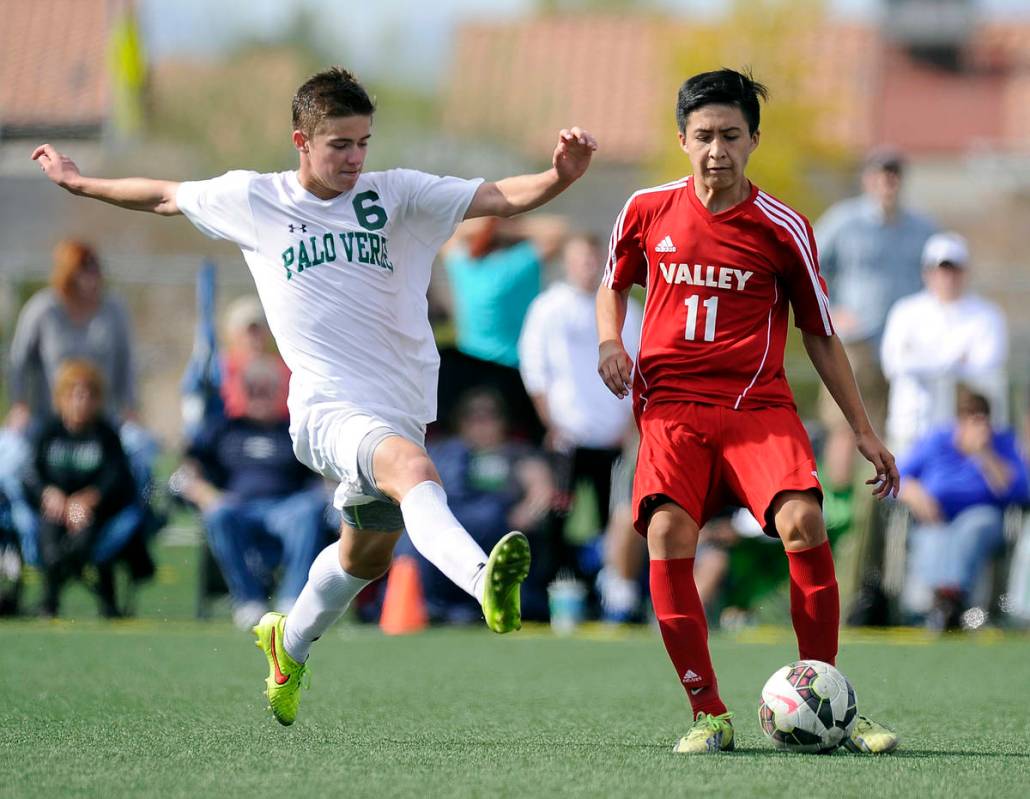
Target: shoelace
(708, 720)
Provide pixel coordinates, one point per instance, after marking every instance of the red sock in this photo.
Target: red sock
(681, 618)
(814, 602)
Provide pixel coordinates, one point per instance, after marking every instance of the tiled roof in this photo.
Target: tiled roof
(526, 80)
(53, 64)
(924, 110)
(521, 81)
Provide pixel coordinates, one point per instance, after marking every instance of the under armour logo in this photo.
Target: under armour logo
(301, 227)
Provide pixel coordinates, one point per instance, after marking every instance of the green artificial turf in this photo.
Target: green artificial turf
(174, 708)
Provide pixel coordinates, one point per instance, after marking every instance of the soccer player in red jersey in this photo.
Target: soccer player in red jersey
(721, 260)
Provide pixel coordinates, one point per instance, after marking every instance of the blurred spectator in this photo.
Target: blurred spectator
(869, 252)
(79, 481)
(260, 505)
(247, 339)
(494, 268)
(936, 338)
(10, 562)
(870, 248)
(620, 581)
(585, 423)
(956, 482)
(493, 485)
(75, 318)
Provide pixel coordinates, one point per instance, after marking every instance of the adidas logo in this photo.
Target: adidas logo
(665, 245)
(691, 676)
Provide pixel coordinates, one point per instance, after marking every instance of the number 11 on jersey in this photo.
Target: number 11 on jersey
(711, 311)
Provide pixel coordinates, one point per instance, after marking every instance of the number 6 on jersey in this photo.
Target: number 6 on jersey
(711, 311)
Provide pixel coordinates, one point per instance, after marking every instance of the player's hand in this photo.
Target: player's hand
(77, 515)
(572, 155)
(59, 168)
(615, 367)
(18, 417)
(887, 480)
(79, 510)
(52, 504)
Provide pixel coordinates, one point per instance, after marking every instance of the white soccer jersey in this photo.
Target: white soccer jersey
(343, 281)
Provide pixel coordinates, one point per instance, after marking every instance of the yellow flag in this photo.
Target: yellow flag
(128, 72)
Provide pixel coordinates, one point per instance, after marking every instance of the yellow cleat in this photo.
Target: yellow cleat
(507, 568)
(285, 674)
(708, 735)
(871, 738)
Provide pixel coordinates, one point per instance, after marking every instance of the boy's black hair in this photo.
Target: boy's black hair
(721, 87)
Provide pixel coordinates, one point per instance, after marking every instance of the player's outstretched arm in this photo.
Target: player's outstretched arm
(613, 362)
(831, 362)
(516, 195)
(138, 194)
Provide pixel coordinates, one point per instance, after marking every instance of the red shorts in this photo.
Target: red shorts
(704, 457)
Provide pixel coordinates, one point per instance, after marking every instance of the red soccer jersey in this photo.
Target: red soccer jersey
(718, 285)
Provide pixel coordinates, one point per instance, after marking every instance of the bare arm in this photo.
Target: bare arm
(923, 506)
(192, 485)
(613, 362)
(534, 476)
(137, 194)
(831, 362)
(516, 195)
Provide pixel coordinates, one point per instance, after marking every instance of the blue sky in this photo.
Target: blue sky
(399, 39)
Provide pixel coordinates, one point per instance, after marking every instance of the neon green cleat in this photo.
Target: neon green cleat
(507, 568)
(710, 734)
(871, 738)
(285, 674)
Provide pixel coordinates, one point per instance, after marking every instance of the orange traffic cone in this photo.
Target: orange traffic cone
(404, 608)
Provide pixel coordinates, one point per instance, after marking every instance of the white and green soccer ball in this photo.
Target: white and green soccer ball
(808, 706)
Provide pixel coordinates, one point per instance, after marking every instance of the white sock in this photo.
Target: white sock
(441, 540)
(326, 595)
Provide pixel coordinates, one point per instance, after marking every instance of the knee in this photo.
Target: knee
(403, 468)
(800, 524)
(219, 516)
(671, 534)
(418, 469)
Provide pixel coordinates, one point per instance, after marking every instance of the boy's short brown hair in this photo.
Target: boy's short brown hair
(334, 92)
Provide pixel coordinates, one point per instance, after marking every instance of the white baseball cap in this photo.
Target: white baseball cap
(945, 248)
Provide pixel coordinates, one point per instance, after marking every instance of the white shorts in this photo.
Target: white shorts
(326, 438)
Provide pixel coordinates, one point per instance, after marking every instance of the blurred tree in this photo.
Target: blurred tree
(769, 37)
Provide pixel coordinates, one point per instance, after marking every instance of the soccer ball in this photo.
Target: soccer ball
(807, 706)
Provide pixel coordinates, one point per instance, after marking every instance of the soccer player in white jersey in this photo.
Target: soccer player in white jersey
(341, 259)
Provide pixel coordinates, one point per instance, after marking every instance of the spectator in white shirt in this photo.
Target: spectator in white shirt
(937, 338)
(586, 425)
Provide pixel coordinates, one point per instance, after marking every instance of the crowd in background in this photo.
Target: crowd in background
(528, 438)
